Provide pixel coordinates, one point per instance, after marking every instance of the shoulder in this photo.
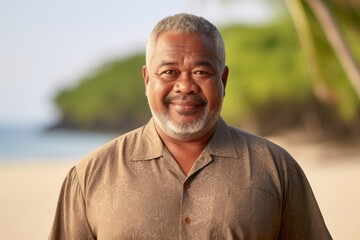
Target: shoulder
(255, 143)
(111, 149)
(268, 161)
(263, 153)
(105, 158)
(233, 142)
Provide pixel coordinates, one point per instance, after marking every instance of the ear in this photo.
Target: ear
(224, 77)
(145, 75)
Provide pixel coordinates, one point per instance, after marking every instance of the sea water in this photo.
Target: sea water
(29, 143)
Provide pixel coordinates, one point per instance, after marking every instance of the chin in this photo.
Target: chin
(187, 130)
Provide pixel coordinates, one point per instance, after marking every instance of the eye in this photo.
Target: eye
(168, 72)
(199, 72)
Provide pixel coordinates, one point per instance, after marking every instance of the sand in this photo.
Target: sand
(28, 197)
(334, 174)
(29, 190)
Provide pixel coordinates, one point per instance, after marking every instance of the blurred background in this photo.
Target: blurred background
(70, 80)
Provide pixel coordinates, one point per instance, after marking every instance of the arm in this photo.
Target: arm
(70, 217)
(301, 217)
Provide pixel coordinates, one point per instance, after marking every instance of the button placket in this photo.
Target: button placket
(186, 212)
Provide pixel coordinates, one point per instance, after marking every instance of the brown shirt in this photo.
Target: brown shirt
(241, 187)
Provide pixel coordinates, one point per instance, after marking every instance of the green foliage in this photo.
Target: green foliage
(266, 67)
(114, 96)
(340, 91)
(267, 72)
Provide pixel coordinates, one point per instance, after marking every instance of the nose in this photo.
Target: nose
(186, 84)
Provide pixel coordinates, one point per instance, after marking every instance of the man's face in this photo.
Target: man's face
(185, 85)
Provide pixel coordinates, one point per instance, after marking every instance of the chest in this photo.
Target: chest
(150, 201)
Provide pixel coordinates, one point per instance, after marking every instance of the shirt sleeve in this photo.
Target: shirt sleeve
(301, 218)
(70, 217)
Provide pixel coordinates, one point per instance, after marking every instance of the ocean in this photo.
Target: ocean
(29, 143)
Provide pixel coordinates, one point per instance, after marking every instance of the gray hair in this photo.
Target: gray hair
(186, 23)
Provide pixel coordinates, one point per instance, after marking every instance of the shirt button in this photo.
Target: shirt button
(187, 220)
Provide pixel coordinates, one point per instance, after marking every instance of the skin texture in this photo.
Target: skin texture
(185, 85)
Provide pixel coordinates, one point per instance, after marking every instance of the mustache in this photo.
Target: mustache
(185, 97)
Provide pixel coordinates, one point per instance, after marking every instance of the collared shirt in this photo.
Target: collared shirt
(241, 187)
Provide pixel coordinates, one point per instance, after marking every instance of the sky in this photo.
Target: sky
(47, 45)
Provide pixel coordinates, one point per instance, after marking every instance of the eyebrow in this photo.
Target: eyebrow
(167, 63)
(206, 63)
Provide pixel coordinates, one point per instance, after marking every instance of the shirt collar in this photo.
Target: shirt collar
(221, 144)
(150, 146)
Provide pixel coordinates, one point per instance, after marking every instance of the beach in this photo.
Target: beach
(29, 189)
(333, 171)
(28, 196)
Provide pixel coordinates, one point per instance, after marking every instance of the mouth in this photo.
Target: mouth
(185, 104)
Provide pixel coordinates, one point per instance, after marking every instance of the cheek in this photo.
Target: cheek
(157, 91)
(214, 96)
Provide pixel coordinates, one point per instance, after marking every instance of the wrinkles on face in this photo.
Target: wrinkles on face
(184, 85)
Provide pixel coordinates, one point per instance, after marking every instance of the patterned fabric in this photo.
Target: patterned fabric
(241, 187)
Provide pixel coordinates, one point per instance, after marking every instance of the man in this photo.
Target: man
(187, 174)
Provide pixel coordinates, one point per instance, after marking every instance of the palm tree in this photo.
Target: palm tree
(326, 16)
(304, 12)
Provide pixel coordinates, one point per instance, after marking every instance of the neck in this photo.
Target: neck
(185, 152)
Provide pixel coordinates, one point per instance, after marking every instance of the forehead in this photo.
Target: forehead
(184, 44)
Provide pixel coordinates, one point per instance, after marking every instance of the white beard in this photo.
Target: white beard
(185, 131)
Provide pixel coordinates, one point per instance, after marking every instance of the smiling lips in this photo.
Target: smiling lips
(185, 102)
